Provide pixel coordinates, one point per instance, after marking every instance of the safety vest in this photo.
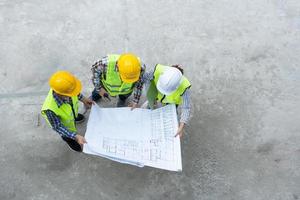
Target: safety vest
(64, 112)
(111, 79)
(176, 96)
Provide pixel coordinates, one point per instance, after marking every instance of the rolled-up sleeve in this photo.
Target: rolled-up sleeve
(97, 70)
(138, 88)
(148, 76)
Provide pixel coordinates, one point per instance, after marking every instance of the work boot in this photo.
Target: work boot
(79, 119)
(121, 103)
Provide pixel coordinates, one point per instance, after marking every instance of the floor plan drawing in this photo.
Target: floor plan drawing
(144, 138)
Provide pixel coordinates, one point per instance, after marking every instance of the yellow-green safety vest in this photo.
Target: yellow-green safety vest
(111, 79)
(176, 96)
(64, 112)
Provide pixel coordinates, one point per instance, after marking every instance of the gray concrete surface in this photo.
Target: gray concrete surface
(242, 58)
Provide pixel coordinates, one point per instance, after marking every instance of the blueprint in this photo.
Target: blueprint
(141, 137)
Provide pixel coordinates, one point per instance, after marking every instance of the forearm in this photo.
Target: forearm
(137, 92)
(185, 107)
(148, 76)
(57, 126)
(96, 80)
(138, 89)
(185, 115)
(63, 131)
(97, 70)
(181, 125)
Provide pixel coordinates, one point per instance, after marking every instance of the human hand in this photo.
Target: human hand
(180, 130)
(133, 105)
(80, 139)
(88, 102)
(102, 92)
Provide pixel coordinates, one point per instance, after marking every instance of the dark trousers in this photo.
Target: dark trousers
(96, 96)
(72, 144)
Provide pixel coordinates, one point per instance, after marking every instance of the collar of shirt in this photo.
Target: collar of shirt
(58, 99)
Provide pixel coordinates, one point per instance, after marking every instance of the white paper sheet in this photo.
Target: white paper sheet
(139, 137)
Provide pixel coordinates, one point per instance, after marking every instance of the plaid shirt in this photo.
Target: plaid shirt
(55, 120)
(100, 67)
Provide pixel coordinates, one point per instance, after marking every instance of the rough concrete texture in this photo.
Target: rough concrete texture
(242, 58)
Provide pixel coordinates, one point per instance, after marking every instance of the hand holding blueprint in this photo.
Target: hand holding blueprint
(139, 137)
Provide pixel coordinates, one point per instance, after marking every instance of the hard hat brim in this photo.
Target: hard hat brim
(129, 80)
(76, 90)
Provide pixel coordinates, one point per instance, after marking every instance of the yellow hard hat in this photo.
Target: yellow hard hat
(64, 83)
(129, 68)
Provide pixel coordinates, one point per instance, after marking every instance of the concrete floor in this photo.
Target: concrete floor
(242, 58)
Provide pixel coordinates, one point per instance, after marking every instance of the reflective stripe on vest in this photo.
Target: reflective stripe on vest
(176, 96)
(112, 81)
(64, 112)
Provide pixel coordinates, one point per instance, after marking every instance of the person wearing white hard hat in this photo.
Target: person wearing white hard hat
(168, 85)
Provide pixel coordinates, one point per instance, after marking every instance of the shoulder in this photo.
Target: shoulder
(148, 75)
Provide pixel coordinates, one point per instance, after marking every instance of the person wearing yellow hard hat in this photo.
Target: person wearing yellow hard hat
(60, 108)
(118, 75)
(168, 85)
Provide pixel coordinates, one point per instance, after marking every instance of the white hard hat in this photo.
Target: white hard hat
(169, 80)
